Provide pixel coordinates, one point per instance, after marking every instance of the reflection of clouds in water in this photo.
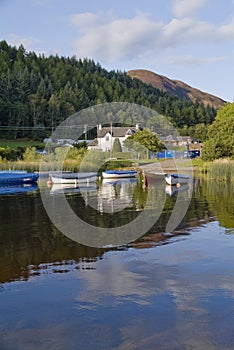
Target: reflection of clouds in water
(179, 290)
(168, 299)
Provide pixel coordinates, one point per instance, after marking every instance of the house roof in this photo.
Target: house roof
(93, 143)
(116, 131)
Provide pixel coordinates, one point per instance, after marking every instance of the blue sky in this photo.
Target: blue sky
(188, 40)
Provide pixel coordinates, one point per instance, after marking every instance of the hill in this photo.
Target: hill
(37, 93)
(176, 87)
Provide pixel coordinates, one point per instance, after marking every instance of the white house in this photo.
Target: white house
(107, 135)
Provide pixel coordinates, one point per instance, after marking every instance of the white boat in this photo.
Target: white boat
(73, 178)
(174, 179)
(118, 174)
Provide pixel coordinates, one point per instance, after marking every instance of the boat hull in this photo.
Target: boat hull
(174, 179)
(73, 179)
(118, 174)
(17, 178)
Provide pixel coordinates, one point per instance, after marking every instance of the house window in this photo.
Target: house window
(107, 137)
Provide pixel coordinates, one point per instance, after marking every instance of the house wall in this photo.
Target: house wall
(106, 143)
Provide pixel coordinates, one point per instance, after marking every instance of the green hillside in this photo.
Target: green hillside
(37, 93)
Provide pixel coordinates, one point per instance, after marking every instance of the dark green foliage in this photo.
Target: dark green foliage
(11, 154)
(116, 146)
(144, 138)
(198, 131)
(43, 91)
(220, 142)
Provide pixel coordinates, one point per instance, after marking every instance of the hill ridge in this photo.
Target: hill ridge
(176, 87)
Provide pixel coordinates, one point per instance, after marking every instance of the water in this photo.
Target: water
(162, 291)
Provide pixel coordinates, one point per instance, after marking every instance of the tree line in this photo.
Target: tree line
(37, 93)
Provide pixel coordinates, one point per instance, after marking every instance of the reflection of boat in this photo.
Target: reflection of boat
(72, 188)
(73, 178)
(118, 174)
(15, 178)
(119, 181)
(17, 189)
(173, 190)
(115, 195)
(174, 179)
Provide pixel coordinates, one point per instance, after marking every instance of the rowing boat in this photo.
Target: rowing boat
(118, 174)
(174, 179)
(15, 178)
(73, 178)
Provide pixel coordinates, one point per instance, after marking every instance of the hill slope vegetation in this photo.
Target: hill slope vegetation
(37, 93)
(176, 87)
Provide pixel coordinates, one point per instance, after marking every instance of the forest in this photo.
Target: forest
(37, 93)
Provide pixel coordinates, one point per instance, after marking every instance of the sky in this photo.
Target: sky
(187, 40)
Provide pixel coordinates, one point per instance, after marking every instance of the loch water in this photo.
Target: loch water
(167, 291)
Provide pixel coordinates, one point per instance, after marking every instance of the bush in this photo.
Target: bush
(30, 155)
(11, 154)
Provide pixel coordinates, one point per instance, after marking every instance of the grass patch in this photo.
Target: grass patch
(21, 143)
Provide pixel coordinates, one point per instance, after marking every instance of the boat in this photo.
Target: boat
(17, 189)
(118, 174)
(73, 178)
(15, 178)
(13, 171)
(174, 179)
(153, 177)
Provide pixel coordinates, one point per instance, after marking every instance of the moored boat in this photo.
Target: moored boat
(73, 178)
(117, 174)
(13, 171)
(174, 179)
(10, 178)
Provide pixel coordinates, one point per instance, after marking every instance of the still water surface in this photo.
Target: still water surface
(160, 292)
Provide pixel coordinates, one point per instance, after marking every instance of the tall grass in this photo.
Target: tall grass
(221, 170)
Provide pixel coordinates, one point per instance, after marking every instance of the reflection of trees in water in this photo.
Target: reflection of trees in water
(221, 201)
(30, 243)
(28, 239)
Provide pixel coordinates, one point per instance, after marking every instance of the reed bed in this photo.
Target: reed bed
(221, 170)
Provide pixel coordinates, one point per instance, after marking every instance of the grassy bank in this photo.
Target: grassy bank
(73, 165)
(21, 143)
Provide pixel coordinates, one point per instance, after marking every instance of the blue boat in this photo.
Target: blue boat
(15, 178)
(118, 174)
(17, 189)
(13, 171)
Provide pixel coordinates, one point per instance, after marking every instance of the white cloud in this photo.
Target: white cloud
(85, 19)
(192, 60)
(111, 39)
(183, 8)
(227, 31)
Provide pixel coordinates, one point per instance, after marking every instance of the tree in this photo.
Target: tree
(220, 142)
(116, 146)
(143, 141)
